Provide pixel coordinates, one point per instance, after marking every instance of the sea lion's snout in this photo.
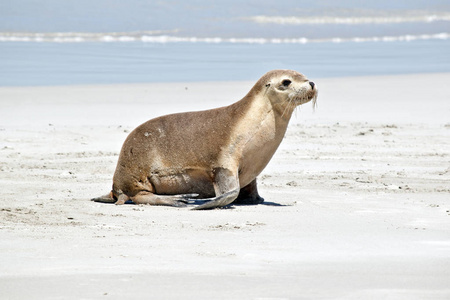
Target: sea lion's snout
(311, 94)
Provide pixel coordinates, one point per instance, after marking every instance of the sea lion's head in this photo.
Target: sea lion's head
(287, 89)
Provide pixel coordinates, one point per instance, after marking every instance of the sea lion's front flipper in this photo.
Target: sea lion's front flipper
(145, 197)
(226, 186)
(219, 201)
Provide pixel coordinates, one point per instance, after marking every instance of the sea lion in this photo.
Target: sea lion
(214, 154)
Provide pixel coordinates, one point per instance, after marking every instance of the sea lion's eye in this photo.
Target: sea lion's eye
(286, 82)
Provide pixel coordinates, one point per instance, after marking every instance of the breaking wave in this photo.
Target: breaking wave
(390, 19)
(157, 37)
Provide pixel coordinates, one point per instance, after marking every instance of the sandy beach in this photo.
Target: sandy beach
(357, 198)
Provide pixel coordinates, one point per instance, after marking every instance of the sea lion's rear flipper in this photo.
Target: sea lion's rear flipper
(226, 186)
(108, 198)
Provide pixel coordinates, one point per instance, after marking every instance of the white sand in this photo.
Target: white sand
(357, 198)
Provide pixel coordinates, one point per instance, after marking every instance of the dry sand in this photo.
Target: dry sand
(357, 198)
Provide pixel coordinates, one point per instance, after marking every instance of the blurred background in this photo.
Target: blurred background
(52, 42)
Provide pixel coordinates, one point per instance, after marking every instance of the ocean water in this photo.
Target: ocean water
(50, 42)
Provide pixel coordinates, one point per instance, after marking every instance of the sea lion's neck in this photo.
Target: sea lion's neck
(257, 134)
(260, 105)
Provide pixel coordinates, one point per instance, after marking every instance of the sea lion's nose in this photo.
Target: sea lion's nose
(312, 84)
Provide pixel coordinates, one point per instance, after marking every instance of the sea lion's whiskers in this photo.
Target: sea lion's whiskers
(291, 100)
(296, 108)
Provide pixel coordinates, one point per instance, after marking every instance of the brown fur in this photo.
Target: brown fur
(215, 154)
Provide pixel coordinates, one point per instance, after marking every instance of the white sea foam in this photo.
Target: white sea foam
(151, 37)
(396, 19)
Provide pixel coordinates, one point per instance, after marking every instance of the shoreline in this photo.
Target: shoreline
(216, 82)
(356, 197)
